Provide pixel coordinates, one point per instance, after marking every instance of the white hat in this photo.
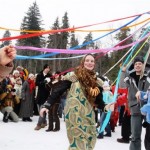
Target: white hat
(106, 83)
(30, 75)
(19, 67)
(15, 71)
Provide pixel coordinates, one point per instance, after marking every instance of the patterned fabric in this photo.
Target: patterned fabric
(79, 118)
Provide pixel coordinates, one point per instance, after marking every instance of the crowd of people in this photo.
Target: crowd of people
(81, 97)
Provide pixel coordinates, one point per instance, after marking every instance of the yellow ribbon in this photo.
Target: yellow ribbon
(104, 30)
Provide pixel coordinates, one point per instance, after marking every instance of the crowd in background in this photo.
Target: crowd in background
(27, 98)
(23, 94)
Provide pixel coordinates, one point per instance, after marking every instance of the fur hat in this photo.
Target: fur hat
(15, 71)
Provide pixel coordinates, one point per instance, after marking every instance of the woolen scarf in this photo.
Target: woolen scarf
(31, 85)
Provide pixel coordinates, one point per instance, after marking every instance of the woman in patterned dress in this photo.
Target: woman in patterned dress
(82, 86)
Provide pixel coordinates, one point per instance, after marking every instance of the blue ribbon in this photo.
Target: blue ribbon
(79, 46)
(117, 83)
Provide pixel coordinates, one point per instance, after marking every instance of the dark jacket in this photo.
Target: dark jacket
(51, 87)
(43, 92)
(64, 86)
(143, 84)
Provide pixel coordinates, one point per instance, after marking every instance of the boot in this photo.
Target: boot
(43, 125)
(38, 127)
(50, 121)
(24, 119)
(57, 125)
(49, 129)
(10, 118)
(56, 129)
(107, 134)
(100, 136)
(122, 140)
(28, 119)
(5, 117)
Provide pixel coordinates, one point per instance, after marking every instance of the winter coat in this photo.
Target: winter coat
(43, 92)
(143, 84)
(27, 101)
(18, 89)
(7, 99)
(66, 84)
(79, 114)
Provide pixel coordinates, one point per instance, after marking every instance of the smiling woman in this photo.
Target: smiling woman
(79, 114)
(89, 62)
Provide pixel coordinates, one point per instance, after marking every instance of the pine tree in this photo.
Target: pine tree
(6, 34)
(54, 41)
(32, 21)
(73, 42)
(54, 38)
(88, 38)
(64, 36)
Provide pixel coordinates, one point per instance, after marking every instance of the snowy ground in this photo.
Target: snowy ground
(22, 136)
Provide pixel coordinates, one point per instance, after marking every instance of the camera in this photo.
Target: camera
(13, 90)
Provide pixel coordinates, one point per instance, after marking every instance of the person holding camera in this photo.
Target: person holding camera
(8, 100)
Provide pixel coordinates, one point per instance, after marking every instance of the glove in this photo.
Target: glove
(94, 92)
(47, 80)
(145, 124)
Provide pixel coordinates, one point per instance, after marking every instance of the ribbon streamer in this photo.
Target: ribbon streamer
(79, 51)
(117, 83)
(34, 31)
(79, 46)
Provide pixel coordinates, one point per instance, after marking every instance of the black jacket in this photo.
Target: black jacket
(64, 86)
(42, 93)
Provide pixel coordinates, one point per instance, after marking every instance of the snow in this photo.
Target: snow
(22, 136)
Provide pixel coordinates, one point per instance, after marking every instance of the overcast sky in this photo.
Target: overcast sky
(80, 12)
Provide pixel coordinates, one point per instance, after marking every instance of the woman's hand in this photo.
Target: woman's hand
(109, 107)
(138, 95)
(42, 111)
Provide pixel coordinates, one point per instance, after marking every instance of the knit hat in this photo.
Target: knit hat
(15, 71)
(19, 68)
(30, 75)
(106, 84)
(138, 59)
